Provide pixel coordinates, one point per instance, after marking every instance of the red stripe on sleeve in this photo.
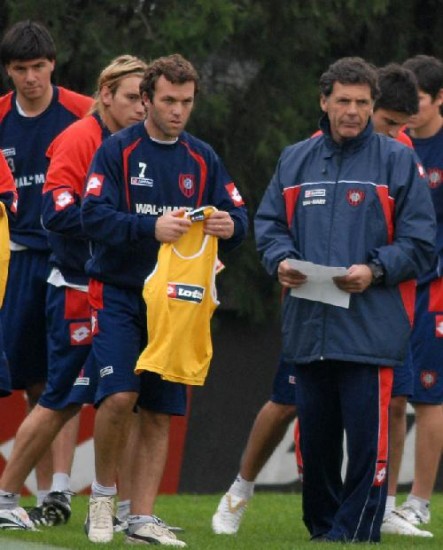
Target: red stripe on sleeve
(290, 194)
(387, 204)
(126, 153)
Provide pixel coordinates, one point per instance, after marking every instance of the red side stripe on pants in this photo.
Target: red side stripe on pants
(385, 377)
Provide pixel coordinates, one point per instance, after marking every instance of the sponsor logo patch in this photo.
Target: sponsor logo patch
(80, 333)
(144, 182)
(355, 196)
(95, 184)
(309, 193)
(106, 371)
(291, 379)
(82, 381)
(439, 326)
(62, 199)
(380, 475)
(428, 378)
(187, 293)
(234, 193)
(186, 183)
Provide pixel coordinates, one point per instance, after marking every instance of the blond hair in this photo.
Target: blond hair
(111, 76)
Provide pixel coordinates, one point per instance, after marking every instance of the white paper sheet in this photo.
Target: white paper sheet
(319, 286)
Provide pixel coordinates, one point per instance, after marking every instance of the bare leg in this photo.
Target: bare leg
(428, 448)
(43, 468)
(397, 436)
(268, 430)
(63, 448)
(33, 438)
(149, 460)
(112, 422)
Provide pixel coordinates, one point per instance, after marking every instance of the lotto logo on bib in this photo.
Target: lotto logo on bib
(187, 293)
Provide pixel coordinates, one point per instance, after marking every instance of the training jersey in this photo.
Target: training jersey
(24, 141)
(70, 155)
(132, 181)
(181, 298)
(430, 152)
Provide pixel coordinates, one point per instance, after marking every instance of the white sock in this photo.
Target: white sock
(390, 505)
(61, 482)
(98, 490)
(420, 503)
(123, 509)
(242, 488)
(8, 501)
(41, 494)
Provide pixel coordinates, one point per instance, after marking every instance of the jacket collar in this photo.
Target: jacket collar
(349, 145)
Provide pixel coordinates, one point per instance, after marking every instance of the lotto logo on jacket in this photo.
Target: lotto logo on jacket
(94, 185)
(62, 199)
(188, 293)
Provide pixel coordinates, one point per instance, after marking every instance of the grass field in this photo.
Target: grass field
(272, 521)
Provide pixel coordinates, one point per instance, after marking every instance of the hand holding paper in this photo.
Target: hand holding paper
(319, 285)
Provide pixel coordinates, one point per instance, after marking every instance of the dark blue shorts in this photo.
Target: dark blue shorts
(403, 384)
(283, 388)
(69, 349)
(119, 336)
(23, 314)
(427, 344)
(5, 376)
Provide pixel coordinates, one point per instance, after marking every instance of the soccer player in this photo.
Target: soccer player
(426, 131)
(140, 183)
(117, 105)
(349, 197)
(30, 118)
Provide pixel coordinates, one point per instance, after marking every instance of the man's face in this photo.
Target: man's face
(170, 109)
(31, 79)
(348, 107)
(428, 110)
(389, 122)
(124, 107)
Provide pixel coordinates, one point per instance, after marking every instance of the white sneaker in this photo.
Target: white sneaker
(17, 518)
(412, 514)
(395, 524)
(99, 521)
(227, 518)
(153, 532)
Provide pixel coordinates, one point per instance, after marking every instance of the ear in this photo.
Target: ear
(324, 103)
(145, 99)
(439, 97)
(106, 96)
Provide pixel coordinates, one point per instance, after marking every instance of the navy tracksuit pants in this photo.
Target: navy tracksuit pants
(334, 399)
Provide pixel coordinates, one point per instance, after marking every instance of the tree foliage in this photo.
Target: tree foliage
(260, 61)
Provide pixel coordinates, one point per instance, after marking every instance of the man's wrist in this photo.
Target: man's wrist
(378, 272)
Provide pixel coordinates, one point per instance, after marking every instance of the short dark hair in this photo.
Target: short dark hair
(428, 71)
(349, 70)
(175, 68)
(27, 40)
(398, 89)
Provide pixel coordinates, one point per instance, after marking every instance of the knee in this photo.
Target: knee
(119, 404)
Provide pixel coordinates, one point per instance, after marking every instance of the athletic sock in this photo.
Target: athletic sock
(135, 521)
(390, 505)
(61, 483)
(242, 488)
(420, 504)
(98, 490)
(8, 501)
(123, 509)
(41, 495)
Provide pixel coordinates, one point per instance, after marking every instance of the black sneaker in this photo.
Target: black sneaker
(36, 516)
(56, 508)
